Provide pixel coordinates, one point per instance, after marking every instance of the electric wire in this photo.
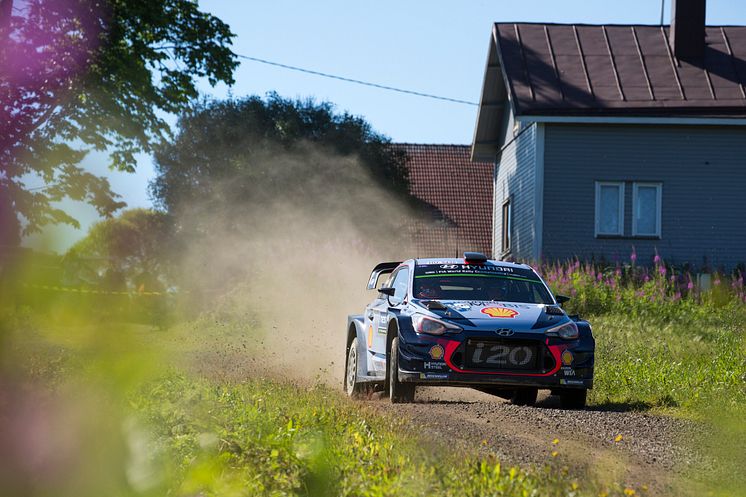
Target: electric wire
(357, 81)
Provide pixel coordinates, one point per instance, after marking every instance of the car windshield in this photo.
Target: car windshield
(485, 282)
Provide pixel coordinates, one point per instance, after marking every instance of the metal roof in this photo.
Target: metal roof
(608, 70)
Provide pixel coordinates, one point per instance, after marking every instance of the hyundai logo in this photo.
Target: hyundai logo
(449, 266)
(504, 332)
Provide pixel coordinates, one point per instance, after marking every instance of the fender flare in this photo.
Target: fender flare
(355, 328)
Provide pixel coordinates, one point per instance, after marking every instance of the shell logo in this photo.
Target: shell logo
(499, 312)
(437, 352)
(567, 358)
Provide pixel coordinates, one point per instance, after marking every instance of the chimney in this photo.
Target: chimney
(687, 34)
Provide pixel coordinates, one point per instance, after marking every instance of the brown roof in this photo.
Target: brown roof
(461, 190)
(554, 69)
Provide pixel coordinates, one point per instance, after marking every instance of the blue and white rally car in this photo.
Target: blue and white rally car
(473, 322)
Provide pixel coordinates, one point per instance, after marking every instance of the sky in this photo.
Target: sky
(429, 46)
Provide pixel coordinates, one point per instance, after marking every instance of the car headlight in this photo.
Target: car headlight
(432, 326)
(567, 330)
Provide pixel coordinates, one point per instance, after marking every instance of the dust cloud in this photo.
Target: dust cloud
(292, 258)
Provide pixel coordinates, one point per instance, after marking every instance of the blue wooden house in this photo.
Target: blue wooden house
(606, 138)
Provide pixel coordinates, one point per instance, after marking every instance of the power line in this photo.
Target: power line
(357, 81)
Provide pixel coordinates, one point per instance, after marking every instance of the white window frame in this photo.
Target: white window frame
(620, 185)
(507, 245)
(658, 201)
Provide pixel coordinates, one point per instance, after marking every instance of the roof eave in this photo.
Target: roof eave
(492, 105)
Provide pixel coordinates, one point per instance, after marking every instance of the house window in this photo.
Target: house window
(646, 209)
(609, 208)
(507, 226)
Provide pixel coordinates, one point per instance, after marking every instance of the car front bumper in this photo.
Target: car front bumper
(435, 362)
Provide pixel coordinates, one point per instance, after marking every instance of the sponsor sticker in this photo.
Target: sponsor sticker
(461, 306)
(434, 365)
(500, 312)
(570, 382)
(567, 358)
(437, 352)
(568, 371)
(434, 376)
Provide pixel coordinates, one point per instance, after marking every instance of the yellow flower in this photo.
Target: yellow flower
(603, 493)
(555, 441)
(629, 491)
(555, 453)
(644, 488)
(574, 486)
(619, 439)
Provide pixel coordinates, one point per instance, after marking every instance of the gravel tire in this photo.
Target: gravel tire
(399, 392)
(352, 387)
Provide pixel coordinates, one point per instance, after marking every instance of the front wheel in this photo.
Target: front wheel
(398, 392)
(573, 399)
(353, 388)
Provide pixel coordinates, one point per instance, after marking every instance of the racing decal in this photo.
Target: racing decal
(437, 352)
(567, 371)
(439, 365)
(383, 321)
(571, 382)
(460, 306)
(434, 376)
(500, 312)
(567, 358)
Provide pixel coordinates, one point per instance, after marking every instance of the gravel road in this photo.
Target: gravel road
(629, 449)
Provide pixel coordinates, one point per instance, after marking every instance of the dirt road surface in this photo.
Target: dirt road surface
(629, 449)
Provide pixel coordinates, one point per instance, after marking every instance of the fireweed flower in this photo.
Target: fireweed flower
(633, 255)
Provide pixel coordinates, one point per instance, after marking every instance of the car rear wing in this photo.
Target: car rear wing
(382, 268)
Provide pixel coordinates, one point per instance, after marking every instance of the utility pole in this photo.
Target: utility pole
(663, 5)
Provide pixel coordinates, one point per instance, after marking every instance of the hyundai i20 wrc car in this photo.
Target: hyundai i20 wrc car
(473, 322)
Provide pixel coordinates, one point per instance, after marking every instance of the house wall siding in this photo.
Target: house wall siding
(515, 177)
(703, 172)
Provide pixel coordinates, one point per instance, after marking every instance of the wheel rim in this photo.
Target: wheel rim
(351, 368)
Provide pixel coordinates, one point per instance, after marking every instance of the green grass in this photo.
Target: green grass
(679, 366)
(267, 438)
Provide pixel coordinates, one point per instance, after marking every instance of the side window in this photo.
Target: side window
(646, 209)
(609, 208)
(400, 284)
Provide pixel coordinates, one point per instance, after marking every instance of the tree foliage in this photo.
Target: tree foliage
(128, 252)
(80, 75)
(254, 151)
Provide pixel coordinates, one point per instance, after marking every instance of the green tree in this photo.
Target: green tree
(81, 75)
(128, 252)
(236, 152)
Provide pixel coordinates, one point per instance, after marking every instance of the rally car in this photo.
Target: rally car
(473, 322)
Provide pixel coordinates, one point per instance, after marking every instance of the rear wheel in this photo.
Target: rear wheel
(573, 399)
(524, 396)
(353, 388)
(398, 392)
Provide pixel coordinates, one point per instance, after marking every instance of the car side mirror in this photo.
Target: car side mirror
(561, 299)
(390, 291)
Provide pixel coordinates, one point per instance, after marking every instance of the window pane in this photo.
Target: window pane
(609, 209)
(646, 210)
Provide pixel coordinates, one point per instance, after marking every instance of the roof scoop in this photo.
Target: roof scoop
(475, 257)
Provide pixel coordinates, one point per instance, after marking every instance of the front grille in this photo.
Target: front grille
(523, 356)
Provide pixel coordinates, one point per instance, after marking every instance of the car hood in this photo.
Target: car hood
(492, 315)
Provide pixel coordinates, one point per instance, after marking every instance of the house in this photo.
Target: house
(459, 194)
(605, 138)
